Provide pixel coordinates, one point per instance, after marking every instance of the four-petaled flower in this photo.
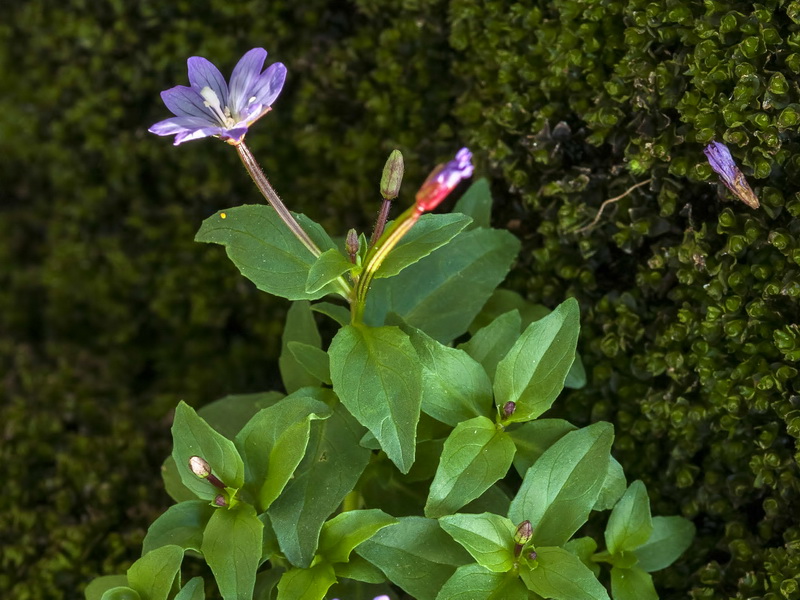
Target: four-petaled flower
(720, 159)
(443, 180)
(210, 108)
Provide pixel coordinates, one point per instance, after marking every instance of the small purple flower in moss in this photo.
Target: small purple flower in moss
(210, 108)
(720, 159)
(443, 180)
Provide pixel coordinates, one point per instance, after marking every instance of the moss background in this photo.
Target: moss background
(110, 313)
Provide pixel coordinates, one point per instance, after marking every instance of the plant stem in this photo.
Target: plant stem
(378, 254)
(264, 186)
(383, 215)
(262, 183)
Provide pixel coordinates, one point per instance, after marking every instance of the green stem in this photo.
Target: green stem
(264, 186)
(377, 255)
(352, 501)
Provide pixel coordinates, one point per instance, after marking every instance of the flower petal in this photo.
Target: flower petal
(244, 76)
(236, 134)
(202, 73)
(175, 125)
(185, 128)
(184, 101)
(720, 159)
(269, 85)
(198, 134)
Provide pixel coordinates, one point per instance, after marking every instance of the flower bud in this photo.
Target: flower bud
(532, 555)
(443, 180)
(509, 408)
(524, 533)
(352, 245)
(720, 159)
(220, 500)
(200, 467)
(392, 175)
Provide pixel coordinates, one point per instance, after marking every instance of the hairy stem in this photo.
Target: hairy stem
(264, 186)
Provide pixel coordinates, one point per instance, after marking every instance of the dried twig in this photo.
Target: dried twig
(606, 203)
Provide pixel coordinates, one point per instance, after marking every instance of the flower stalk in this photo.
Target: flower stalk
(264, 186)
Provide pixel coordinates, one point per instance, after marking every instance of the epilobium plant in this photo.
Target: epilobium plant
(385, 463)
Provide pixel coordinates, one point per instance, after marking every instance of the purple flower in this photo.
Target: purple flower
(210, 108)
(443, 180)
(720, 159)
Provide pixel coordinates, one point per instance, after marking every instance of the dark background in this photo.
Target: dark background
(110, 313)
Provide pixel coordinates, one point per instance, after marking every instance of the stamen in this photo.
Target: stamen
(212, 102)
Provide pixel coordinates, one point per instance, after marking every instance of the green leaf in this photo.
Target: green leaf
(632, 584)
(232, 548)
(338, 313)
(614, 486)
(360, 569)
(269, 540)
(267, 584)
(328, 472)
(455, 388)
(181, 525)
(532, 374)
(503, 301)
(154, 574)
(630, 523)
(494, 500)
(475, 455)
(476, 203)
(264, 249)
(192, 436)
(300, 327)
(576, 378)
(415, 554)
(584, 548)
(473, 582)
(671, 536)
(426, 462)
(432, 231)
(100, 585)
(121, 593)
(491, 343)
(173, 484)
(488, 538)
(328, 267)
(193, 590)
(534, 437)
(314, 360)
(347, 530)
(405, 498)
(377, 376)
(306, 584)
(274, 442)
(229, 414)
(458, 279)
(560, 575)
(559, 490)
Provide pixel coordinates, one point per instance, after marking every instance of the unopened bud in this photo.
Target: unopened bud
(220, 500)
(509, 408)
(200, 467)
(524, 533)
(532, 555)
(392, 176)
(443, 180)
(352, 245)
